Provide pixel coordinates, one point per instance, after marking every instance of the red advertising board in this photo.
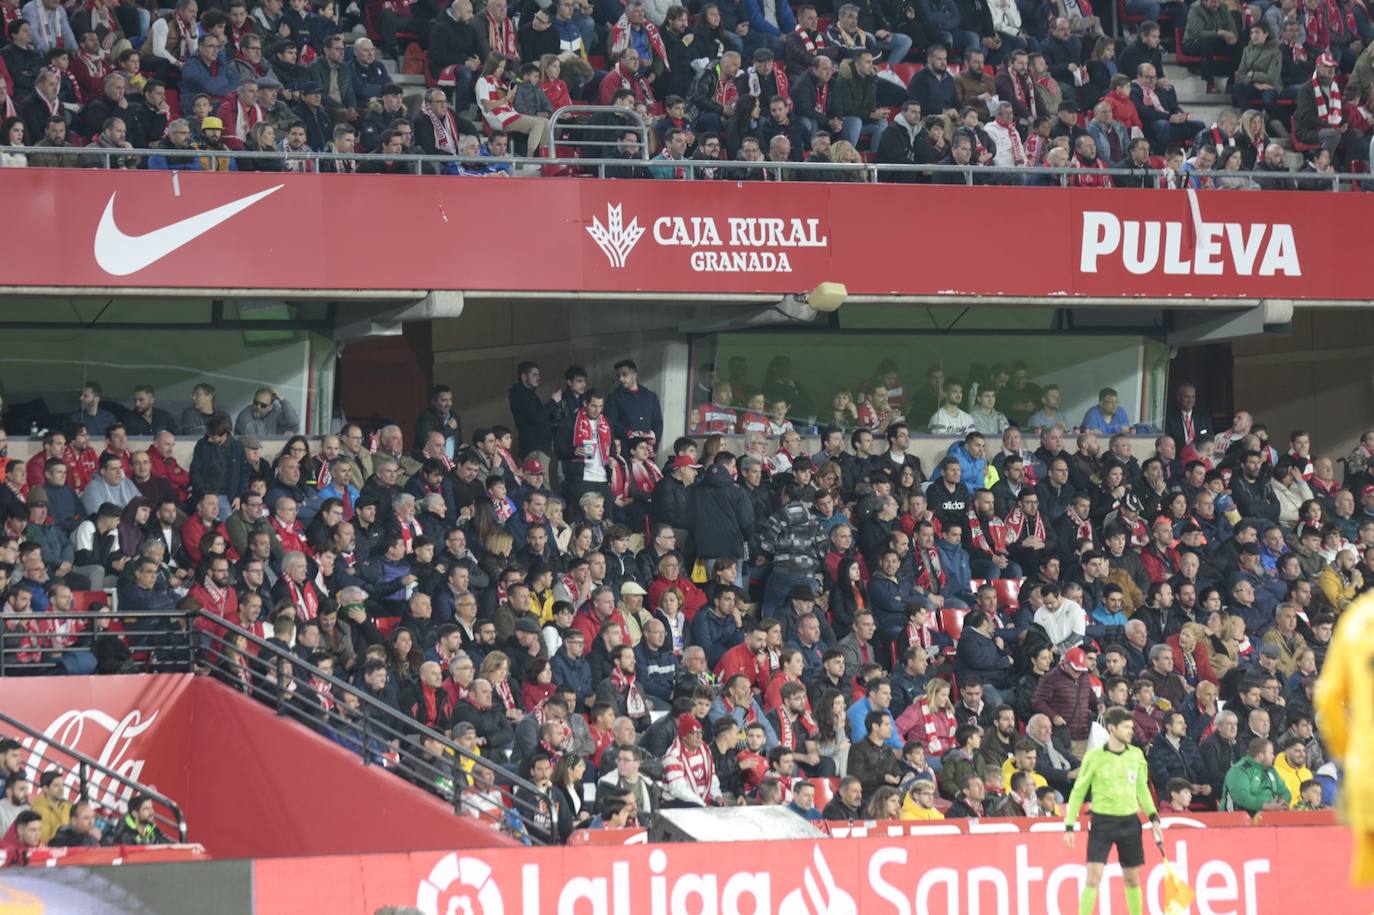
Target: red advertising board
(138, 726)
(1233, 870)
(336, 232)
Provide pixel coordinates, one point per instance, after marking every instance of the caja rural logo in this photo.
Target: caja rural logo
(735, 244)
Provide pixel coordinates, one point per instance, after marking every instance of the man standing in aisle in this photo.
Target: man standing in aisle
(1119, 778)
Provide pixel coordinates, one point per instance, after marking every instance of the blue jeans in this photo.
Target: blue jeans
(855, 128)
(896, 45)
(1147, 8)
(777, 587)
(987, 570)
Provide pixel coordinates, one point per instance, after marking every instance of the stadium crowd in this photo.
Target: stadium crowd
(1007, 84)
(679, 624)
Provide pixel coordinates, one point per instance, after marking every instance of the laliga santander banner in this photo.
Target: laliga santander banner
(1241, 871)
(138, 726)
(371, 232)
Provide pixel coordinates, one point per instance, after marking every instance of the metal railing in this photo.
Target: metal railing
(572, 126)
(379, 734)
(91, 780)
(858, 172)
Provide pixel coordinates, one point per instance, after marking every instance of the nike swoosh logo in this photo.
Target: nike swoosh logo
(120, 254)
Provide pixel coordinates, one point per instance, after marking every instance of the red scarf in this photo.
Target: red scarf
(409, 531)
(1298, 50)
(503, 690)
(185, 31)
(1016, 523)
(811, 40)
(918, 636)
(779, 75)
(749, 716)
(291, 538)
(1082, 527)
(620, 38)
(991, 539)
(1328, 102)
(49, 27)
(1139, 532)
(787, 729)
(324, 690)
(245, 119)
(582, 434)
(924, 569)
(259, 70)
(305, 599)
(445, 129)
(696, 767)
(501, 36)
(727, 93)
(635, 705)
(1024, 88)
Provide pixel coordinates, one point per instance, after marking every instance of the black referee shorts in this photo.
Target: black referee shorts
(1123, 832)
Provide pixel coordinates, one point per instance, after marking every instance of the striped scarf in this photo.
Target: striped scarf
(812, 41)
(1328, 102)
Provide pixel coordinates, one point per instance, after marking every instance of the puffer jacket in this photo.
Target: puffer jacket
(722, 517)
(1070, 699)
(793, 538)
(934, 728)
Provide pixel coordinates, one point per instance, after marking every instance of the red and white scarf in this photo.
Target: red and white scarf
(635, 704)
(812, 41)
(780, 75)
(245, 119)
(1328, 102)
(1297, 49)
(925, 569)
(1082, 527)
(409, 531)
(325, 691)
(501, 36)
(987, 536)
(503, 690)
(445, 129)
(1024, 88)
(305, 599)
(291, 538)
(582, 434)
(620, 38)
(1016, 524)
(219, 597)
(185, 32)
(1148, 96)
(49, 26)
(695, 767)
(787, 729)
(727, 93)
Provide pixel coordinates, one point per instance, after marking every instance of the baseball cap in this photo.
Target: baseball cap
(532, 465)
(1076, 659)
(312, 88)
(1326, 60)
(683, 460)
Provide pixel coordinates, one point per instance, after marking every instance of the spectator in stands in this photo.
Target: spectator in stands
(206, 71)
(139, 825)
(109, 486)
(81, 830)
(1157, 104)
(857, 99)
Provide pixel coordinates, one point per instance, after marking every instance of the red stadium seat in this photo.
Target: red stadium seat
(905, 72)
(825, 790)
(1008, 592)
(1299, 145)
(1187, 60)
(82, 600)
(387, 624)
(952, 621)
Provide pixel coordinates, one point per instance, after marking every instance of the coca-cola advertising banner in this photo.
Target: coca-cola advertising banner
(1233, 872)
(325, 232)
(137, 726)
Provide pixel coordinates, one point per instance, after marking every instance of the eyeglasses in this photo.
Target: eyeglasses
(259, 403)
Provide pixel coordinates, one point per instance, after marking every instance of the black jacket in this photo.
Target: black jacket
(722, 516)
(319, 127)
(491, 723)
(452, 42)
(531, 420)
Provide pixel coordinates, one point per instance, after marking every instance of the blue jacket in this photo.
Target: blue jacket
(196, 78)
(976, 653)
(786, 21)
(718, 712)
(637, 410)
(163, 164)
(941, 14)
(889, 600)
(857, 732)
(958, 571)
(972, 473)
(715, 634)
(576, 675)
(655, 670)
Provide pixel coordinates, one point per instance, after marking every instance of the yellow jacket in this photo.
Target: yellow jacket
(1288, 653)
(1338, 594)
(912, 811)
(55, 815)
(1009, 769)
(1292, 778)
(1344, 704)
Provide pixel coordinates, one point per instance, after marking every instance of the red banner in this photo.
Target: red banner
(138, 726)
(272, 231)
(1244, 871)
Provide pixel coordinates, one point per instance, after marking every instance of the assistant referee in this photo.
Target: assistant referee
(1118, 777)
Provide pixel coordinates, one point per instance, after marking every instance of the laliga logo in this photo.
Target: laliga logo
(824, 896)
(69, 729)
(459, 886)
(615, 239)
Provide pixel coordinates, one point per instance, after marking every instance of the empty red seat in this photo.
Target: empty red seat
(82, 600)
(905, 72)
(1008, 591)
(952, 621)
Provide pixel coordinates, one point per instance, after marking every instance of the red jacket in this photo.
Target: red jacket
(229, 610)
(740, 660)
(1202, 658)
(1123, 110)
(934, 729)
(229, 114)
(193, 531)
(1155, 566)
(693, 598)
(171, 471)
(586, 622)
(1073, 700)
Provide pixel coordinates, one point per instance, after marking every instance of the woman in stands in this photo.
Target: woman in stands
(403, 659)
(832, 713)
(131, 523)
(496, 670)
(298, 447)
(568, 797)
(848, 596)
(886, 804)
(538, 685)
(494, 97)
(262, 138)
(12, 134)
(745, 122)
